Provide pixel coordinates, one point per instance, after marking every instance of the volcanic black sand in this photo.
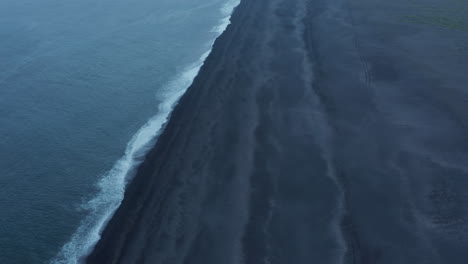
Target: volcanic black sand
(318, 131)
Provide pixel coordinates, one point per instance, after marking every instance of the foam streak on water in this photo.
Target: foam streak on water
(111, 186)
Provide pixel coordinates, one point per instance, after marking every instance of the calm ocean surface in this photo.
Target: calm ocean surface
(78, 79)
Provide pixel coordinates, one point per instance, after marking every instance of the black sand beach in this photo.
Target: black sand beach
(318, 131)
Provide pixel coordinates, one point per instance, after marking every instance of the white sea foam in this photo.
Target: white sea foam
(226, 10)
(111, 186)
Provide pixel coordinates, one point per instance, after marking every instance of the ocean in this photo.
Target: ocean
(85, 87)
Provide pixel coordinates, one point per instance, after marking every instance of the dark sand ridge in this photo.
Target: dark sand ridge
(325, 131)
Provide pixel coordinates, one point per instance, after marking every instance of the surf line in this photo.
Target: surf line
(111, 187)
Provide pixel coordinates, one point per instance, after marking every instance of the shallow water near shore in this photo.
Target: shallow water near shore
(78, 80)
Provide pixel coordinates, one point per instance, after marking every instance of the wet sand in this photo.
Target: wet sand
(326, 131)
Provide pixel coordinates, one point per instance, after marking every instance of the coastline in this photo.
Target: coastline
(296, 142)
(112, 185)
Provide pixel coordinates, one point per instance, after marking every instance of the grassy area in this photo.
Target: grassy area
(441, 21)
(451, 14)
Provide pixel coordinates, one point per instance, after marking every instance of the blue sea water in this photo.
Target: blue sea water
(85, 86)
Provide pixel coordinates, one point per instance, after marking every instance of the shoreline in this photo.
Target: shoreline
(88, 233)
(305, 137)
(147, 166)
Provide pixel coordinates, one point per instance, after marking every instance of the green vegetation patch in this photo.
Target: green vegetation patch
(451, 14)
(441, 21)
